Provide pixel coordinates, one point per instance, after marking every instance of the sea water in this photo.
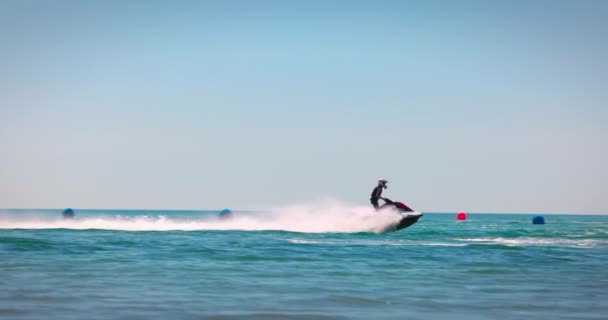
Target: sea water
(300, 262)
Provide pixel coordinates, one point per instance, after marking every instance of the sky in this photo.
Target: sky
(477, 106)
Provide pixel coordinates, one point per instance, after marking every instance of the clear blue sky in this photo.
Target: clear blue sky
(496, 106)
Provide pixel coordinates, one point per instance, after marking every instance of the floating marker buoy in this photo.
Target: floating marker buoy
(461, 216)
(538, 220)
(68, 213)
(225, 214)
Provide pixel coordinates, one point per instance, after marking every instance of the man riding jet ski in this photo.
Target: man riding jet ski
(409, 216)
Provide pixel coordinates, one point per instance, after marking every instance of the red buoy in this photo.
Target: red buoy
(461, 216)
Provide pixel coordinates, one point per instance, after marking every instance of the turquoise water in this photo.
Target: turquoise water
(189, 265)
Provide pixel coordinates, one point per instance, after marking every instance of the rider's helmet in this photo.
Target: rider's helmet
(382, 182)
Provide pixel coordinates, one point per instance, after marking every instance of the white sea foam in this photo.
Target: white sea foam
(302, 241)
(392, 242)
(528, 241)
(313, 217)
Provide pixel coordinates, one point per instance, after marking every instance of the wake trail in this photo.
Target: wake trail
(320, 217)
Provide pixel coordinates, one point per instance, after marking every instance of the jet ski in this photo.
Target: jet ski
(409, 216)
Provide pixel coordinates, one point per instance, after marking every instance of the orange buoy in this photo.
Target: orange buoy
(461, 216)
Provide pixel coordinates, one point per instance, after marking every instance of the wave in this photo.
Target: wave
(528, 241)
(388, 242)
(316, 217)
(459, 242)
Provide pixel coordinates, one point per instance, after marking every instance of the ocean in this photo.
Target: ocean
(300, 262)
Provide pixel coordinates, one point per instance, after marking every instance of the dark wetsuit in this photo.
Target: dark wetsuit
(374, 198)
